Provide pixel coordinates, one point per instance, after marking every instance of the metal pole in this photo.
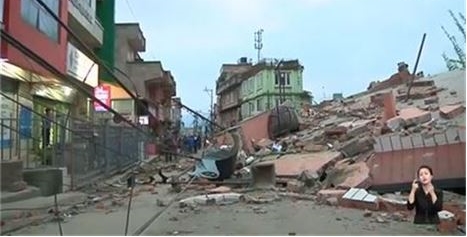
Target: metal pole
(415, 67)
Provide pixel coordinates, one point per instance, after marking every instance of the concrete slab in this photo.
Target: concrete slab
(350, 176)
(29, 192)
(293, 165)
(11, 209)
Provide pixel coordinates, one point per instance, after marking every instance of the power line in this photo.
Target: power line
(22, 48)
(131, 10)
(95, 58)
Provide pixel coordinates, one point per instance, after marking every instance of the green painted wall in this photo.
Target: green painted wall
(260, 92)
(105, 11)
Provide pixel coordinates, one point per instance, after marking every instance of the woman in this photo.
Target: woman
(424, 198)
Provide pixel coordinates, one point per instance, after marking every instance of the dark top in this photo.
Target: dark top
(426, 212)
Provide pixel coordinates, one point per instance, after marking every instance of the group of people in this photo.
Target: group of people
(191, 144)
(188, 144)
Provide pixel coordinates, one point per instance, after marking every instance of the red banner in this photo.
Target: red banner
(102, 93)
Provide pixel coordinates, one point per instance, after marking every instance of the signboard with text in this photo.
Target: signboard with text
(102, 93)
(81, 67)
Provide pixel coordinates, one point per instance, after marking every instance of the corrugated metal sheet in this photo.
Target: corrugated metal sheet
(393, 170)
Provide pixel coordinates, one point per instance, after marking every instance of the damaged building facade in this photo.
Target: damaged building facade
(245, 90)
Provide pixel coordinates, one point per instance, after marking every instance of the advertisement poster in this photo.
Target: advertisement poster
(102, 93)
(25, 123)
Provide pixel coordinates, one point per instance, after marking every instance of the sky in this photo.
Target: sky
(343, 44)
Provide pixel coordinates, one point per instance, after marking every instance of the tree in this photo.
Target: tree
(459, 63)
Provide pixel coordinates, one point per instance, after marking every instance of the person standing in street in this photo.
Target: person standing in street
(46, 127)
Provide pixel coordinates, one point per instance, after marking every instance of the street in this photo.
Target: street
(284, 217)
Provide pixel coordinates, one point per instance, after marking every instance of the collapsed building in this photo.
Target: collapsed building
(372, 141)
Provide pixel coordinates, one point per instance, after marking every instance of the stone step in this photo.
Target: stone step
(29, 192)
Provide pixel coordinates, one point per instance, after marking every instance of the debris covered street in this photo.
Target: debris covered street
(101, 137)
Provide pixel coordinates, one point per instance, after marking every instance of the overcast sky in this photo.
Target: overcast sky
(343, 45)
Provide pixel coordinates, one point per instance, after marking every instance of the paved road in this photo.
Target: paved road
(279, 218)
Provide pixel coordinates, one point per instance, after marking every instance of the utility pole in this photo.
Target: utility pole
(211, 113)
(259, 42)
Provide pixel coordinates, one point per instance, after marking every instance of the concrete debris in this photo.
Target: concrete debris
(309, 178)
(451, 111)
(295, 186)
(332, 201)
(367, 213)
(360, 199)
(220, 189)
(209, 199)
(445, 215)
(298, 196)
(259, 210)
(160, 203)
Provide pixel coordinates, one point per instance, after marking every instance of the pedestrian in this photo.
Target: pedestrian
(423, 196)
(168, 148)
(46, 127)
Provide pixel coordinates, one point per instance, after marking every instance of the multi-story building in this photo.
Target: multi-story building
(153, 85)
(260, 91)
(33, 85)
(84, 22)
(228, 87)
(176, 114)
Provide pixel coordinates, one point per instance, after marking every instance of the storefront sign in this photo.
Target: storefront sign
(81, 67)
(102, 93)
(144, 120)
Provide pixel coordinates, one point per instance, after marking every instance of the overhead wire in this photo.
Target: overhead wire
(151, 220)
(94, 57)
(21, 47)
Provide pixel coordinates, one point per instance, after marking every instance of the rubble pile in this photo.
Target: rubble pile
(349, 128)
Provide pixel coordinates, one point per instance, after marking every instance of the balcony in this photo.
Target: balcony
(82, 20)
(132, 32)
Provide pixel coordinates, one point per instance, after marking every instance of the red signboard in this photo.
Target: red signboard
(102, 93)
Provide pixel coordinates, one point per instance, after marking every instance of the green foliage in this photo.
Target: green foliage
(459, 63)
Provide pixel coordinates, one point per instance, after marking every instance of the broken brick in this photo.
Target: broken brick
(413, 116)
(265, 143)
(419, 83)
(354, 176)
(310, 147)
(431, 100)
(447, 226)
(309, 178)
(337, 131)
(359, 199)
(391, 205)
(395, 123)
(357, 131)
(332, 201)
(324, 194)
(220, 189)
(295, 186)
(451, 111)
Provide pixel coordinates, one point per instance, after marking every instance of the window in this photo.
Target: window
(259, 105)
(284, 77)
(38, 17)
(252, 107)
(259, 82)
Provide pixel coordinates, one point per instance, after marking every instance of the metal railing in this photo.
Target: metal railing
(85, 148)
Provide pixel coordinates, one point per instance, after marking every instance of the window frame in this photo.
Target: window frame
(30, 9)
